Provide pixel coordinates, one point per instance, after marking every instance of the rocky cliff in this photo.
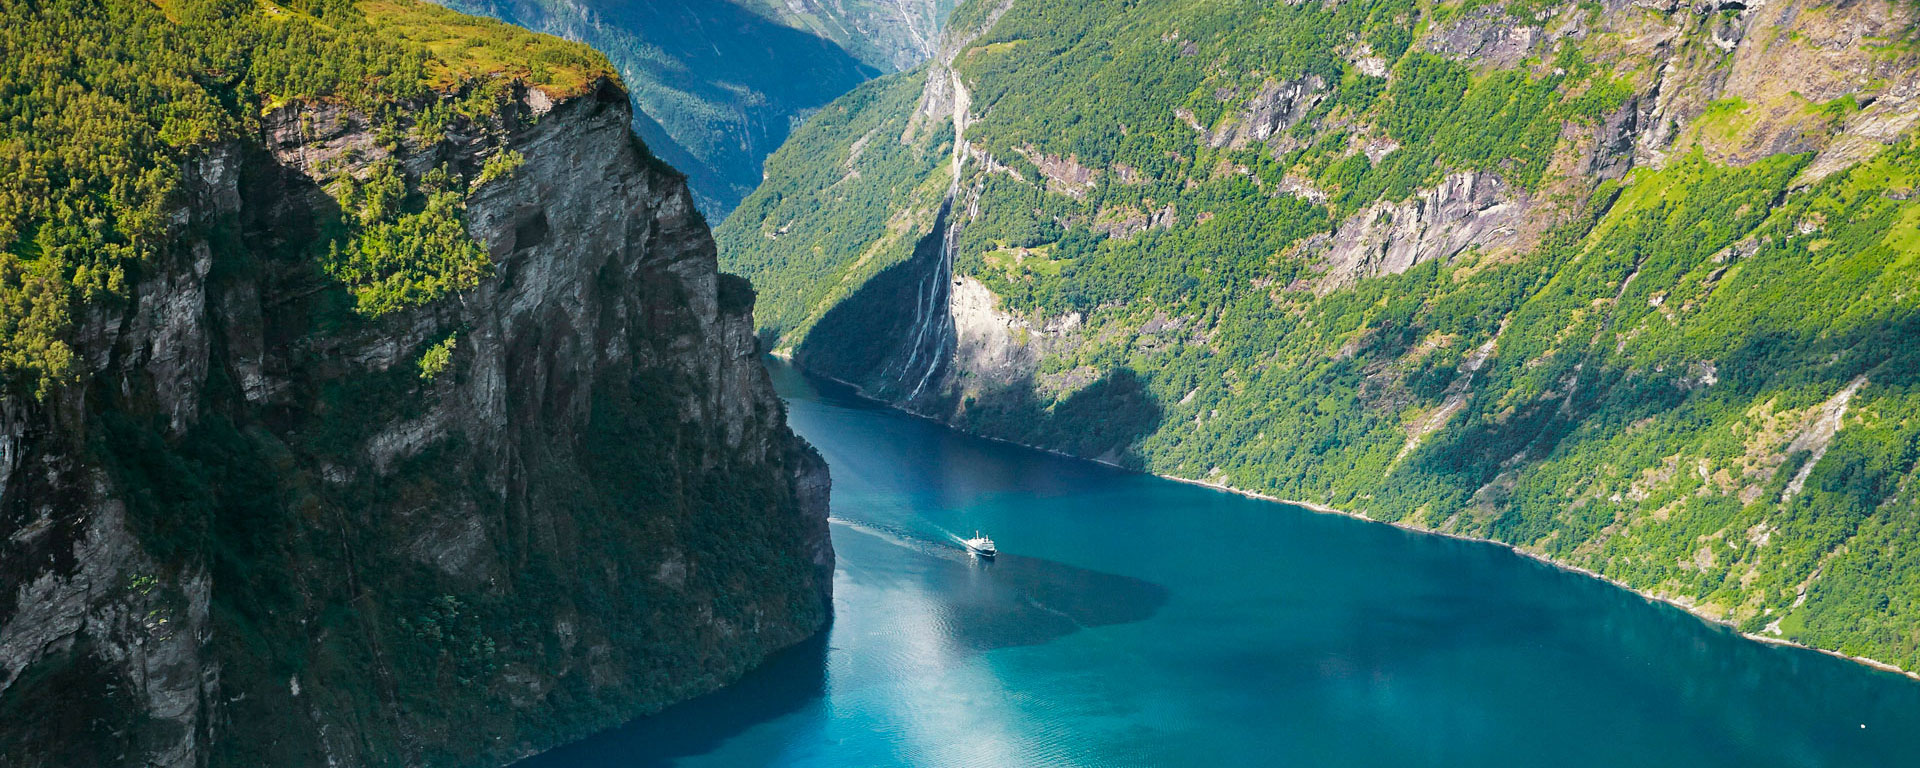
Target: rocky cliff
(267, 528)
(1616, 283)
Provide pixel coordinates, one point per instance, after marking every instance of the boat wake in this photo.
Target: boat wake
(952, 547)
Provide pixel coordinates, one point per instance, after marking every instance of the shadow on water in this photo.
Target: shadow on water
(1004, 602)
(1295, 639)
(1029, 601)
(977, 605)
(788, 682)
(790, 382)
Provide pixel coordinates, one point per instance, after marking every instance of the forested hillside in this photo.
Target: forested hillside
(717, 84)
(369, 395)
(1629, 285)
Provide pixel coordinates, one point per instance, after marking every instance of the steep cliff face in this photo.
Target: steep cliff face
(1507, 270)
(270, 530)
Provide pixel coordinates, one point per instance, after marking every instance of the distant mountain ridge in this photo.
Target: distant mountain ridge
(1629, 285)
(717, 85)
(892, 35)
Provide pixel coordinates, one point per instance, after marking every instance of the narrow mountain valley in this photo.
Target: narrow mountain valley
(718, 84)
(374, 391)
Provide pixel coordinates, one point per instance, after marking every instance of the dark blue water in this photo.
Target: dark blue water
(1139, 622)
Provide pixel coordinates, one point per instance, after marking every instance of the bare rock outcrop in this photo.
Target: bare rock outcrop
(1276, 107)
(1465, 210)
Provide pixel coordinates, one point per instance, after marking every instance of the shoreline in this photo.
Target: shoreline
(1544, 560)
(1361, 516)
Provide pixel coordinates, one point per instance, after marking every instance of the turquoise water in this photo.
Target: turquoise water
(1133, 621)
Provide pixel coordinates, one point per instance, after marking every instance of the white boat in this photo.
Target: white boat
(980, 545)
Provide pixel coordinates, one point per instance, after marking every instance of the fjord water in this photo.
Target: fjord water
(1133, 621)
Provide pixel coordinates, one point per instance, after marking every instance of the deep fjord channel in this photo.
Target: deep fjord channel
(1134, 621)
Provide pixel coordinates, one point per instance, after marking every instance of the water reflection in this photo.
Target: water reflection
(790, 681)
(912, 612)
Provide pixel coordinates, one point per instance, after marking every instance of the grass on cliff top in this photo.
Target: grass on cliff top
(106, 100)
(467, 47)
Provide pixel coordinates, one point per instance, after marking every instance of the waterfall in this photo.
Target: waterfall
(930, 304)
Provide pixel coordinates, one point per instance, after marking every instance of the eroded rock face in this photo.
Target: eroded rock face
(1464, 210)
(258, 535)
(1004, 348)
(1487, 35)
(1275, 108)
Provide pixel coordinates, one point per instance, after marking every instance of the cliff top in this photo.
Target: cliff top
(109, 99)
(467, 47)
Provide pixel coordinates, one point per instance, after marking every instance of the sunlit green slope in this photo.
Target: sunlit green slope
(1632, 287)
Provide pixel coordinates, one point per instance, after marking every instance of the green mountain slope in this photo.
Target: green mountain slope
(716, 85)
(1630, 286)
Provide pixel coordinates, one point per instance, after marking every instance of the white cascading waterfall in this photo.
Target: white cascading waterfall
(930, 312)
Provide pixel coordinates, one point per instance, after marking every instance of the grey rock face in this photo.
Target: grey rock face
(1487, 35)
(258, 536)
(1277, 107)
(1464, 210)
